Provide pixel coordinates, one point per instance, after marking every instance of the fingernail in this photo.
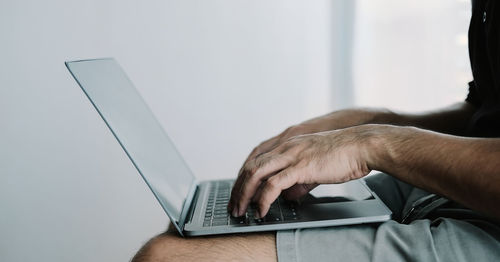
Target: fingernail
(235, 213)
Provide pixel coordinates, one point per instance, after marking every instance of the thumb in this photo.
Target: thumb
(297, 191)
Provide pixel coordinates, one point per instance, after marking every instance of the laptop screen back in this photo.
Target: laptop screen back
(137, 130)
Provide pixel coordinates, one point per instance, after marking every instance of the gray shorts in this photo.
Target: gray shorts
(448, 233)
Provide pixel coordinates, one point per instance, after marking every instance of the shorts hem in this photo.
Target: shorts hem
(285, 246)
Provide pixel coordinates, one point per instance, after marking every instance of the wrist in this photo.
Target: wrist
(380, 146)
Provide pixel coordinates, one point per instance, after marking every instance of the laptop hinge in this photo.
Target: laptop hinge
(187, 204)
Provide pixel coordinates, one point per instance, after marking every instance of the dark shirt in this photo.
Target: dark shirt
(484, 91)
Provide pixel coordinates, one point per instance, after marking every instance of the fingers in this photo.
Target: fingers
(251, 180)
(272, 188)
(257, 167)
(258, 151)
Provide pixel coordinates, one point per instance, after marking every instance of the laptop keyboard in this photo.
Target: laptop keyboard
(216, 212)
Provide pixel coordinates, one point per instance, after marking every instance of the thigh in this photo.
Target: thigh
(422, 240)
(170, 246)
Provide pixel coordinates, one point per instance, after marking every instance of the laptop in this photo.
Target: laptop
(199, 207)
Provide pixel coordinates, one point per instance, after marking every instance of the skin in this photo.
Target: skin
(342, 146)
(169, 246)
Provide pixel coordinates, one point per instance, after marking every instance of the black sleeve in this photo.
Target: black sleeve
(473, 97)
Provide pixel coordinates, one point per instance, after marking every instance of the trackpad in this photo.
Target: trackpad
(337, 201)
(350, 191)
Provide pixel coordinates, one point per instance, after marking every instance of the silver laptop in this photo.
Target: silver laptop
(199, 207)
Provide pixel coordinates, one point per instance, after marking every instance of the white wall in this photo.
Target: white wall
(220, 75)
(411, 55)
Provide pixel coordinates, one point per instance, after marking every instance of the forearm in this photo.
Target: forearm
(346, 118)
(451, 120)
(466, 170)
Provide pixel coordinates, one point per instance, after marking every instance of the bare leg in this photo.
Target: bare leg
(169, 246)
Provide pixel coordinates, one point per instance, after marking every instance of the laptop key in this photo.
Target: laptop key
(238, 220)
(273, 216)
(219, 222)
(290, 218)
(258, 220)
(287, 216)
(271, 219)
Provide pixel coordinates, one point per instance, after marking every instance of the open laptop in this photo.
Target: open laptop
(199, 207)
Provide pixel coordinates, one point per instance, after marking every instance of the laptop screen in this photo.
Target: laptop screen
(137, 130)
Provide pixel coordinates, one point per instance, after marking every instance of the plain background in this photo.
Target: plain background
(221, 76)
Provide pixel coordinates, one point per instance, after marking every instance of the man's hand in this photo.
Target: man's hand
(299, 164)
(332, 121)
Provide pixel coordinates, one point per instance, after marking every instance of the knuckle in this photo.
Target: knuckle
(303, 163)
(264, 161)
(281, 148)
(288, 130)
(297, 142)
(263, 144)
(252, 170)
(254, 173)
(272, 184)
(294, 130)
(249, 170)
(258, 162)
(256, 149)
